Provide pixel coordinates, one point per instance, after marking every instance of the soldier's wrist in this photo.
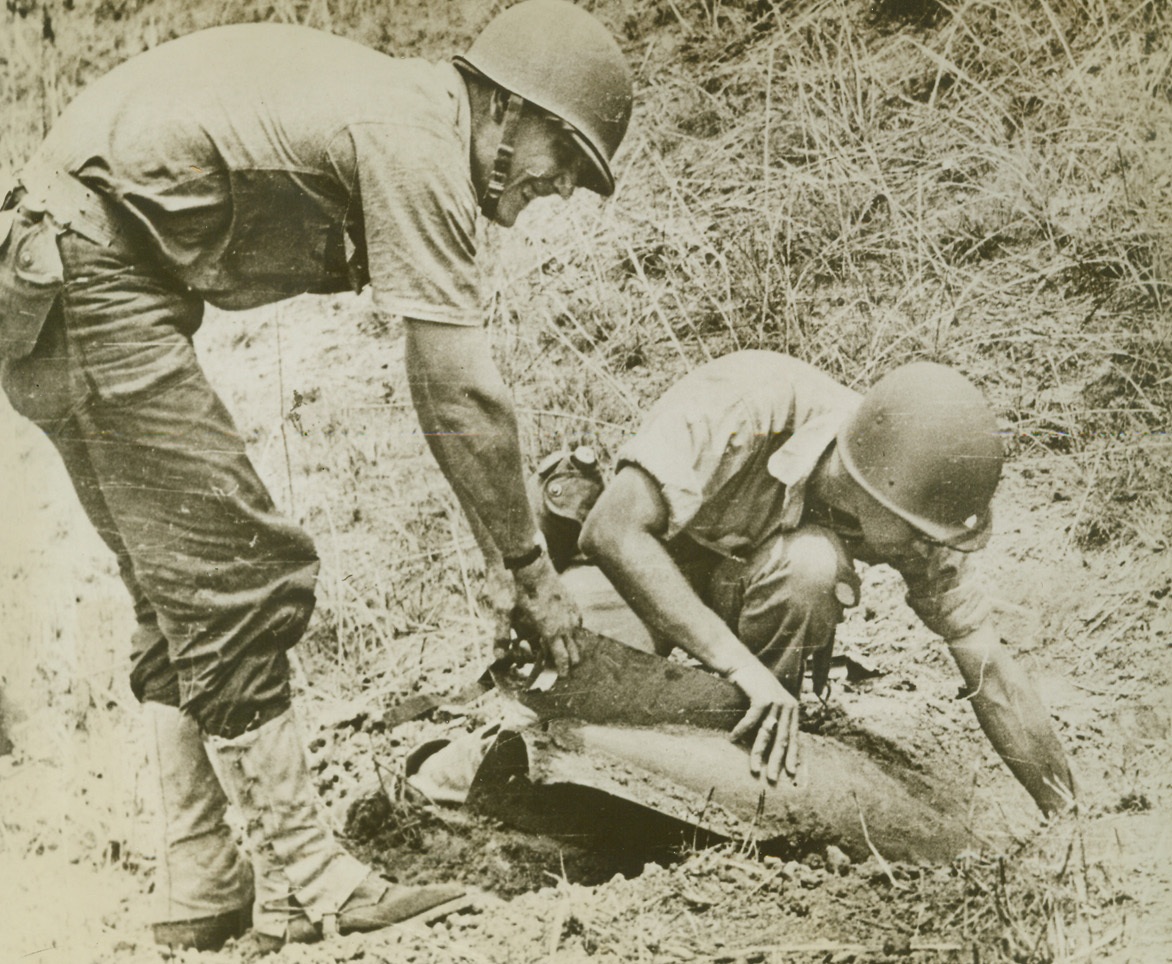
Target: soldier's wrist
(737, 663)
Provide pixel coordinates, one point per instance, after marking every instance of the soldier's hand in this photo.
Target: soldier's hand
(774, 712)
(545, 616)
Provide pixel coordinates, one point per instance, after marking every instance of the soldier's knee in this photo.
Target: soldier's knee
(291, 617)
(809, 567)
(814, 563)
(253, 690)
(245, 683)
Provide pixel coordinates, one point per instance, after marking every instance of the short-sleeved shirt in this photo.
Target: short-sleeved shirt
(732, 447)
(267, 160)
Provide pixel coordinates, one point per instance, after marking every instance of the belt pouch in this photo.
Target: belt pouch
(31, 278)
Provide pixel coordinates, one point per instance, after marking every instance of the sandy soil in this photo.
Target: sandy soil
(75, 825)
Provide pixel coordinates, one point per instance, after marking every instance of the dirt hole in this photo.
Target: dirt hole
(414, 843)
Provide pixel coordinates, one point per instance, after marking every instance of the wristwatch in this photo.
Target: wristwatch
(526, 558)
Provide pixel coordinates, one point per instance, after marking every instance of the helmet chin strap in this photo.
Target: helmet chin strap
(504, 155)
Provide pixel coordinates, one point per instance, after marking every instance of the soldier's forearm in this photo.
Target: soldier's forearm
(484, 540)
(640, 568)
(471, 430)
(1014, 719)
(487, 479)
(622, 535)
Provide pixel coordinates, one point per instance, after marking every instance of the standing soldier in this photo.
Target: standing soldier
(239, 166)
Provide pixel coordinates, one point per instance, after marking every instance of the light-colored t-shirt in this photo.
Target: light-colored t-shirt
(732, 447)
(267, 160)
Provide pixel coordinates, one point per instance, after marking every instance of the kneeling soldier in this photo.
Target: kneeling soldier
(738, 510)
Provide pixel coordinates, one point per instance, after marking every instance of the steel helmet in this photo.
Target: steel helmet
(923, 443)
(557, 56)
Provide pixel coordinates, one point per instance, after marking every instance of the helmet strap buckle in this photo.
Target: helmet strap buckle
(503, 161)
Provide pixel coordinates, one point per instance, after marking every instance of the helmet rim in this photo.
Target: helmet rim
(962, 538)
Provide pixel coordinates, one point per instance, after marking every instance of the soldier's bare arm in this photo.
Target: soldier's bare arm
(623, 535)
(1014, 718)
(467, 415)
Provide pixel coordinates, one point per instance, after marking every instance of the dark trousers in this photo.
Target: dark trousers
(221, 583)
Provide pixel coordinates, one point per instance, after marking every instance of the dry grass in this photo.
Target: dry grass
(989, 189)
(984, 182)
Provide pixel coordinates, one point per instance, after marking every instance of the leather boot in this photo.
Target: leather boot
(202, 884)
(307, 885)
